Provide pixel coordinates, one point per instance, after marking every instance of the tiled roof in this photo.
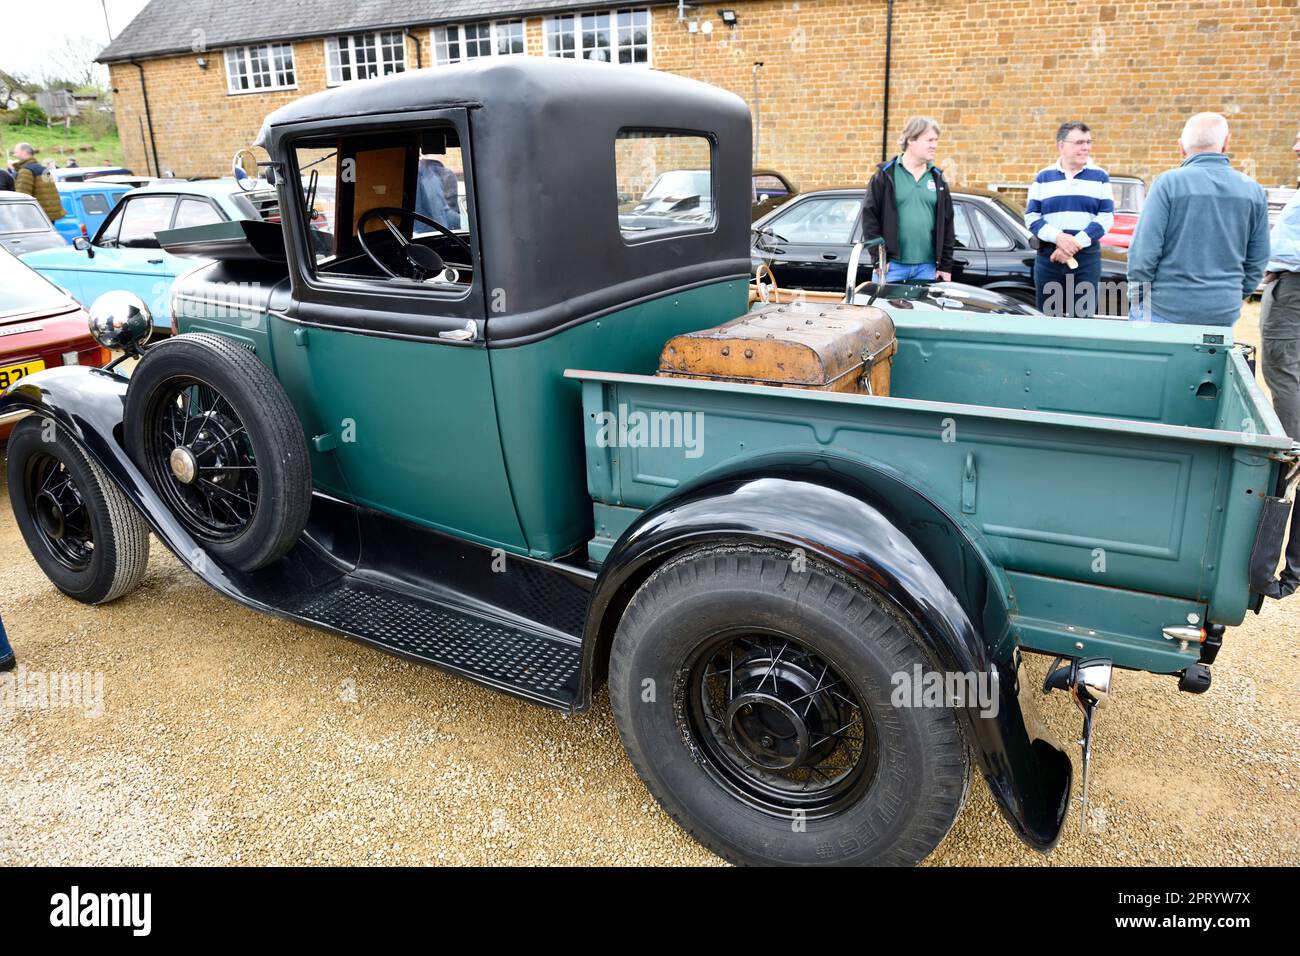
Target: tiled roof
(176, 26)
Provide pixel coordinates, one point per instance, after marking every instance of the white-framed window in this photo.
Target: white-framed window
(612, 36)
(458, 42)
(508, 37)
(265, 67)
(361, 56)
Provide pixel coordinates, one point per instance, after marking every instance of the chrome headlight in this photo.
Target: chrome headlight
(120, 320)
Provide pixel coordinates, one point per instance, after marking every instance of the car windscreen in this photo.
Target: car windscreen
(22, 217)
(682, 183)
(26, 290)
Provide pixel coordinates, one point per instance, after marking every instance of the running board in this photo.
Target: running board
(528, 663)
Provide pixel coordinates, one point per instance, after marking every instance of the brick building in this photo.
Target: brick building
(999, 76)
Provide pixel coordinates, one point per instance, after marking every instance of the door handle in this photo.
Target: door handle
(155, 262)
(467, 334)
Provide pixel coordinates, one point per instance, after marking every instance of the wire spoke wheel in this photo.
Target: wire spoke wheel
(61, 517)
(778, 725)
(200, 457)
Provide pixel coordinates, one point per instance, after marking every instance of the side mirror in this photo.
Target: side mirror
(244, 168)
(83, 244)
(121, 320)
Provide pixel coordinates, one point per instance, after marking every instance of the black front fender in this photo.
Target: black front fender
(87, 404)
(882, 540)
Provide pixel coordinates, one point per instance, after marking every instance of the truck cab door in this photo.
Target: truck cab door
(390, 375)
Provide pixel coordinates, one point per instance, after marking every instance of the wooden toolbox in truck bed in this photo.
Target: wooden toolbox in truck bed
(829, 347)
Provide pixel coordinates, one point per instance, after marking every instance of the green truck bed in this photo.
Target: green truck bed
(1113, 474)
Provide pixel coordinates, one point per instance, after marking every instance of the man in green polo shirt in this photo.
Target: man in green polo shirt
(908, 203)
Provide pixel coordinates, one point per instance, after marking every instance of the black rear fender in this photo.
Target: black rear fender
(872, 526)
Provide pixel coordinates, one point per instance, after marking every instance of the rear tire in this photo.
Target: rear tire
(710, 676)
(87, 538)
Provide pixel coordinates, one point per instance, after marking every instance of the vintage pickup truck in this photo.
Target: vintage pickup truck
(451, 444)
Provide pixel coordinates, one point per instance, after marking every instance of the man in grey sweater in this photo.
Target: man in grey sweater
(1201, 243)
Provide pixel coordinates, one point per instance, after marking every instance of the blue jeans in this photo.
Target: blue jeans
(1060, 290)
(6, 652)
(903, 272)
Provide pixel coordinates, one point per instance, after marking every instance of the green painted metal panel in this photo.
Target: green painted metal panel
(1118, 508)
(412, 425)
(1077, 619)
(1164, 506)
(611, 521)
(540, 411)
(1061, 368)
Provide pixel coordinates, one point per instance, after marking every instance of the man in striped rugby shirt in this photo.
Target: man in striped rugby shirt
(1070, 209)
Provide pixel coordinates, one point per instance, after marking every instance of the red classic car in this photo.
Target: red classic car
(41, 326)
(1130, 192)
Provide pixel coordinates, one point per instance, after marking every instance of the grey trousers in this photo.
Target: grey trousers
(1279, 324)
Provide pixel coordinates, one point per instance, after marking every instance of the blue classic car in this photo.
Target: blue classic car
(87, 206)
(124, 253)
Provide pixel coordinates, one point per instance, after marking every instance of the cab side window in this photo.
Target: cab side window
(403, 174)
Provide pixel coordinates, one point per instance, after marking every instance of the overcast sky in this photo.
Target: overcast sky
(36, 32)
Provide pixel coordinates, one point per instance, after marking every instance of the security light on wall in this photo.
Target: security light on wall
(202, 62)
(729, 18)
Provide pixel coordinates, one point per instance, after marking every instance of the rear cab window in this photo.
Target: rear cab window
(665, 183)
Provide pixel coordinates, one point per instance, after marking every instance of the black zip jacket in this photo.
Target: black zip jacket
(880, 215)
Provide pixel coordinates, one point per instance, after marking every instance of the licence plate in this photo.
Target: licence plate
(12, 373)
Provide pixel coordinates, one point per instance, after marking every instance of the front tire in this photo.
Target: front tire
(754, 700)
(87, 538)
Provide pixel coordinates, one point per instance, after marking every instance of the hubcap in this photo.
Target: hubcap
(201, 459)
(778, 725)
(49, 516)
(767, 731)
(62, 520)
(183, 465)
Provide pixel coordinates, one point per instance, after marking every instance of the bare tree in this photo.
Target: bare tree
(73, 63)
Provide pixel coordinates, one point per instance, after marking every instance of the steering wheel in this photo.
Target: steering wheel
(767, 290)
(422, 260)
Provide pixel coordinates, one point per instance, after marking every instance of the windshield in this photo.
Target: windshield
(1128, 196)
(22, 217)
(680, 183)
(26, 290)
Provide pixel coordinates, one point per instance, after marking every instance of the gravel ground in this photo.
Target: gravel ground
(229, 737)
